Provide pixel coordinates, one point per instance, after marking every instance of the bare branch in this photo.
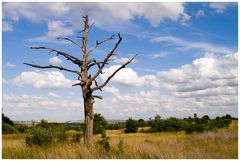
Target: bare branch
(99, 97)
(99, 43)
(107, 58)
(95, 63)
(52, 66)
(81, 31)
(67, 56)
(97, 85)
(68, 39)
(86, 19)
(77, 84)
(85, 38)
(111, 76)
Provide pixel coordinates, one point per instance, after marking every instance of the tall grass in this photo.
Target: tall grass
(219, 144)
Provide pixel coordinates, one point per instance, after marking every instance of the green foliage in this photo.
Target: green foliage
(189, 125)
(131, 126)
(8, 126)
(76, 128)
(21, 128)
(99, 124)
(142, 123)
(45, 133)
(104, 143)
(116, 126)
(39, 136)
(8, 129)
(190, 128)
(206, 117)
(76, 138)
(6, 120)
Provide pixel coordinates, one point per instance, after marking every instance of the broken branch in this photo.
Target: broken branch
(68, 39)
(107, 58)
(111, 76)
(99, 43)
(67, 56)
(99, 97)
(52, 66)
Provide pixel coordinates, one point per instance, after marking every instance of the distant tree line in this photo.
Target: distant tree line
(44, 133)
(157, 124)
(172, 124)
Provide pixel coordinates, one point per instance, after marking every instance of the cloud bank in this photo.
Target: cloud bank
(106, 15)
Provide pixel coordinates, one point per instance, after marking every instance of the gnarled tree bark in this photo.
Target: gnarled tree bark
(87, 82)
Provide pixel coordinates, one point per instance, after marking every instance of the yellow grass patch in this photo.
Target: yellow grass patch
(217, 144)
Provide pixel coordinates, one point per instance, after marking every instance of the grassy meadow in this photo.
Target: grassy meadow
(217, 144)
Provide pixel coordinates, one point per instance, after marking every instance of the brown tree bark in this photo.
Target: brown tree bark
(89, 116)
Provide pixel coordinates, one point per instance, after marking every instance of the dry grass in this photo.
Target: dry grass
(219, 144)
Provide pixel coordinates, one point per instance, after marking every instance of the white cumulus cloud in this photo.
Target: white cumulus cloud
(106, 15)
(37, 107)
(55, 60)
(128, 77)
(111, 89)
(209, 75)
(52, 94)
(55, 29)
(48, 80)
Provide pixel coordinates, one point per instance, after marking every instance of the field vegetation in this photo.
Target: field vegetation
(67, 143)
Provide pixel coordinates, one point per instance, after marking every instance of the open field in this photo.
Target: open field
(222, 143)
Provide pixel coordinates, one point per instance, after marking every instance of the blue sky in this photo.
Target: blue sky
(186, 63)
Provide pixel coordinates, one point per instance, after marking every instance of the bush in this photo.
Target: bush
(8, 125)
(142, 123)
(45, 133)
(104, 143)
(6, 120)
(131, 126)
(8, 129)
(116, 126)
(189, 129)
(22, 128)
(99, 124)
(39, 136)
(173, 124)
(76, 138)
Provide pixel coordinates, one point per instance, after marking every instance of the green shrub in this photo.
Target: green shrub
(60, 136)
(6, 120)
(21, 128)
(116, 126)
(8, 125)
(104, 143)
(190, 129)
(39, 136)
(131, 126)
(45, 133)
(8, 129)
(76, 138)
(99, 124)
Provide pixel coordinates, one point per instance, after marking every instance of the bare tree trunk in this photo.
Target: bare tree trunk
(89, 115)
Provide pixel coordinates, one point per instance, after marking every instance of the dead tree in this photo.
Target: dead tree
(87, 82)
